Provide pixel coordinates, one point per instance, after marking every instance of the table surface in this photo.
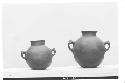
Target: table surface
(70, 71)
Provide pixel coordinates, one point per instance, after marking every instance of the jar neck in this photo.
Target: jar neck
(89, 33)
(39, 42)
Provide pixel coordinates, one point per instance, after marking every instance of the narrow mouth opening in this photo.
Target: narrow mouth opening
(38, 42)
(91, 33)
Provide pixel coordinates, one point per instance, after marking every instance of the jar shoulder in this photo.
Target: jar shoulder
(38, 48)
(89, 41)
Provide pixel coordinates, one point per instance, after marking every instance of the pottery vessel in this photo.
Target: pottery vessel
(38, 56)
(88, 50)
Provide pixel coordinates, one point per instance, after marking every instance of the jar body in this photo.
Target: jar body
(39, 57)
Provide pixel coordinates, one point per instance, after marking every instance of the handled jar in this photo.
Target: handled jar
(88, 50)
(38, 56)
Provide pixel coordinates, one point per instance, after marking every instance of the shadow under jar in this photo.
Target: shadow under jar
(88, 50)
(38, 56)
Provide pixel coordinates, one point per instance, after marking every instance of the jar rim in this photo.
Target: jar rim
(89, 31)
(38, 41)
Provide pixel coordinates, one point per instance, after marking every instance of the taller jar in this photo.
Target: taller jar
(88, 50)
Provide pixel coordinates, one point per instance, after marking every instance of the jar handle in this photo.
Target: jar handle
(53, 51)
(71, 42)
(107, 42)
(22, 53)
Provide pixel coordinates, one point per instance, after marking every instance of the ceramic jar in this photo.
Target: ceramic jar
(88, 50)
(38, 56)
